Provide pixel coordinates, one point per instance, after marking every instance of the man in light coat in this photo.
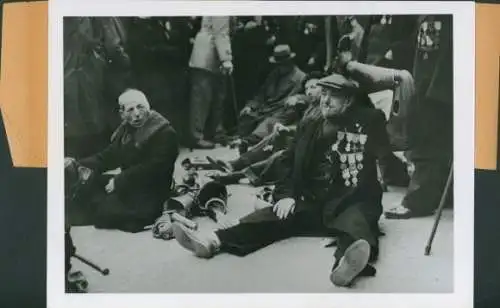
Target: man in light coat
(211, 59)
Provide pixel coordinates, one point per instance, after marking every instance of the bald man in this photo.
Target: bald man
(144, 148)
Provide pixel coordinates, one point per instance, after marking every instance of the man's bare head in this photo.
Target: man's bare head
(134, 107)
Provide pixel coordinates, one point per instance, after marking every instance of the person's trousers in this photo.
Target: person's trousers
(208, 91)
(247, 123)
(268, 171)
(427, 186)
(430, 134)
(263, 228)
(128, 211)
(394, 171)
(257, 126)
(262, 150)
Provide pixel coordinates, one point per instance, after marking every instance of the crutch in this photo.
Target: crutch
(439, 211)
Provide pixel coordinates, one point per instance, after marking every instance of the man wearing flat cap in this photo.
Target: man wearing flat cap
(332, 188)
(268, 107)
(145, 148)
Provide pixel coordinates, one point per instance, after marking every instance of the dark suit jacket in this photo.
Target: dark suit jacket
(274, 91)
(440, 85)
(368, 192)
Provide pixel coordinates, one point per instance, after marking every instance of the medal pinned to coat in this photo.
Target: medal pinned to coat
(349, 147)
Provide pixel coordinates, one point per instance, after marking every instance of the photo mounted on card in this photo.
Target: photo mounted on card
(498, 118)
(487, 87)
(202, 149)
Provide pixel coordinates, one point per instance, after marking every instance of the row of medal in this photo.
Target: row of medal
(351, 159)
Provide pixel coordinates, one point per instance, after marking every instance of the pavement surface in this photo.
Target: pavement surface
(140, 263)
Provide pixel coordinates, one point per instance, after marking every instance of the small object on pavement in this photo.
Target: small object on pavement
(104, 272)
(76, 282)
(195, 163)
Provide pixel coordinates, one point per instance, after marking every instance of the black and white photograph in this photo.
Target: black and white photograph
(223, 151)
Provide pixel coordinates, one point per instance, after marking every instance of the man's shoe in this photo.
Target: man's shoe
(352, 264)
(401, 212)
(203, 245)
(203, 144)
(222, 139)
(368, 271)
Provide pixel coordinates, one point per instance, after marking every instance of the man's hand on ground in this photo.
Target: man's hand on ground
(284, 208)
(110, 187)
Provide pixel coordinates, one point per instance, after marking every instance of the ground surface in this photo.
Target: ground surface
(140, 263)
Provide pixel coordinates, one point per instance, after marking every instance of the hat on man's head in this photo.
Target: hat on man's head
(339, 83)
(282, 53)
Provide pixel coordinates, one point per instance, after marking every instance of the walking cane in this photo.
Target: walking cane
(439, 211)
(233, 96)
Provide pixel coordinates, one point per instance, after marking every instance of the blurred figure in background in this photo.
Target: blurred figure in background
(159, 48)
(268, 106)
(250, 41)
(210, 62)
(85, 116)
(430, 118)
(117, 74)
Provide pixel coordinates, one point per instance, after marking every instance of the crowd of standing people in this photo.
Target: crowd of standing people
(168, 58)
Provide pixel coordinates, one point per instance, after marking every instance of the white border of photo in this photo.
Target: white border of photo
(463, 41)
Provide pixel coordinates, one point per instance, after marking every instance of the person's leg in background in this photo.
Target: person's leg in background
(269, 171)
(426, 187)
(393, 170)
(431, 152)
(214, 126)
(247, 123)
(201, 97)
(260, 152)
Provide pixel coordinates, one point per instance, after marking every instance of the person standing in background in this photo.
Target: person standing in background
(430, 118)
(211, 59)
(159, 48)
(117, 74)
(85, 126)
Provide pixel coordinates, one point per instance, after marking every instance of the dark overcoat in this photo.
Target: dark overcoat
(146, 159)
(351, 209)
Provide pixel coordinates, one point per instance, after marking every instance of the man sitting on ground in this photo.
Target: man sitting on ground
(261, 164)
(145, 148)
(257, 118)
(332, 189)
